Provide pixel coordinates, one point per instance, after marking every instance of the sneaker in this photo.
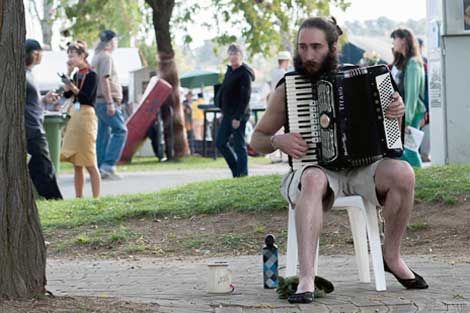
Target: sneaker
(110, 174)
(104, 174)
(425, 158)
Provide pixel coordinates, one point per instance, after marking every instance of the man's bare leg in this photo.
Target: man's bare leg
(395, 181)
(309, 221)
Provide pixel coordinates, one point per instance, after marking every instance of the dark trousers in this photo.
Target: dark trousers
(41, 169)
(235, 155)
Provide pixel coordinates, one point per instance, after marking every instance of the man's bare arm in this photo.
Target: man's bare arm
(273, 119)
(106, 88)
(264, 139)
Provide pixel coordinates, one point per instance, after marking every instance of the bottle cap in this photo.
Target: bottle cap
(269, 239)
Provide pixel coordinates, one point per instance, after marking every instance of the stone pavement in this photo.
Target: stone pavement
(180, 285)
(136, 182)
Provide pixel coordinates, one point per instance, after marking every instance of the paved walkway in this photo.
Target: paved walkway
(180, 286)
(135, 182)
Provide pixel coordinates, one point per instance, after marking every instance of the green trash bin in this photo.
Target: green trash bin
(53, 123)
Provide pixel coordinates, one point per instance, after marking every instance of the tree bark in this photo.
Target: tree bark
(46, 23)
(22, 249)
(172, 111)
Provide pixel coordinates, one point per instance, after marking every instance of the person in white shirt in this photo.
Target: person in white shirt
(283, 59)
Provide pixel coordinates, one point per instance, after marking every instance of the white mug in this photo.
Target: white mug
(220, 278)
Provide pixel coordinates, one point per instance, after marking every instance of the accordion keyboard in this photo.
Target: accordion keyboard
(302, 116)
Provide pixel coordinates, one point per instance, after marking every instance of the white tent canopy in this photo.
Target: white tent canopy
(53, 62)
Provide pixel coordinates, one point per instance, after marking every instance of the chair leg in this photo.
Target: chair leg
(375, 247)
(358, 229)
(317, 258)
(292, 256)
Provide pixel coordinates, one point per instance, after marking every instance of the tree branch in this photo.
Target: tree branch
(36, 11)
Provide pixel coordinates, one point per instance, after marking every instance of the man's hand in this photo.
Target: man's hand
(51, 97)
(66, 80)
(397, 108)
(291, 143)
(235, 124)
(110, 110)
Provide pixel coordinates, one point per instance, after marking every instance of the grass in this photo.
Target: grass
(96, 224)
(104, 237)
(249, 194)
(418, 226)
(141, 164)
(445, 184)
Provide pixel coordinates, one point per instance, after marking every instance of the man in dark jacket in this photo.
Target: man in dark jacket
(234, 98)
(41, 169)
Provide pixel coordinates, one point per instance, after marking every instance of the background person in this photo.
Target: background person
(425, 148)
(188, 119)
(234, 98)
(112, 130)
(283, 60)
(197, 116)
(41, 169)
(408, 73)
(79, 146)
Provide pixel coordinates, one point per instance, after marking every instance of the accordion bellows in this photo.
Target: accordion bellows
(342, 117)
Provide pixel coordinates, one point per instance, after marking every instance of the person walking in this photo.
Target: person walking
(80, 136)
(408, 73)
(41, 169)
(233, 98)
(112, 130)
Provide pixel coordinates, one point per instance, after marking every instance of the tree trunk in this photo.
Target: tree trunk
(22, 249)
(162, 10)
(46, 22)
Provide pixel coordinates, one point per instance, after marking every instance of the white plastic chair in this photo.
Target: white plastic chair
(363, 219)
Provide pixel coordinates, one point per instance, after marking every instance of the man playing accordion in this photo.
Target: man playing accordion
(311, 188)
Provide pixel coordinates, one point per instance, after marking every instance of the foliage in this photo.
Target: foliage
(91, 17)
(149, 54)
(265, 26)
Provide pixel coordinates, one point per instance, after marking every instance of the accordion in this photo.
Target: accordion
(341, 116)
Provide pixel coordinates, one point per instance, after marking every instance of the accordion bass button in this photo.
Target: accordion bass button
(324, 120)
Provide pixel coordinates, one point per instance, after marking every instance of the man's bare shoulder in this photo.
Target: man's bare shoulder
(278, 96)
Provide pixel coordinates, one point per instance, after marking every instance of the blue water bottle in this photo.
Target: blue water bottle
(270, 263)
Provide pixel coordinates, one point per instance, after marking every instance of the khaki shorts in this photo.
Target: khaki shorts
(358, 181)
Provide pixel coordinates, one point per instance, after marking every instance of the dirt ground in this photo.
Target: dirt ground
(76, 305)
(435, 229)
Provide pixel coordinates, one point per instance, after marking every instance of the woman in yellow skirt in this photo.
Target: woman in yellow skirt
(79, 145)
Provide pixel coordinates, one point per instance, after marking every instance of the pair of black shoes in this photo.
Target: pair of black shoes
(412, 283)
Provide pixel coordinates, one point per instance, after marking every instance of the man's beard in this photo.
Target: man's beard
(314, 70)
